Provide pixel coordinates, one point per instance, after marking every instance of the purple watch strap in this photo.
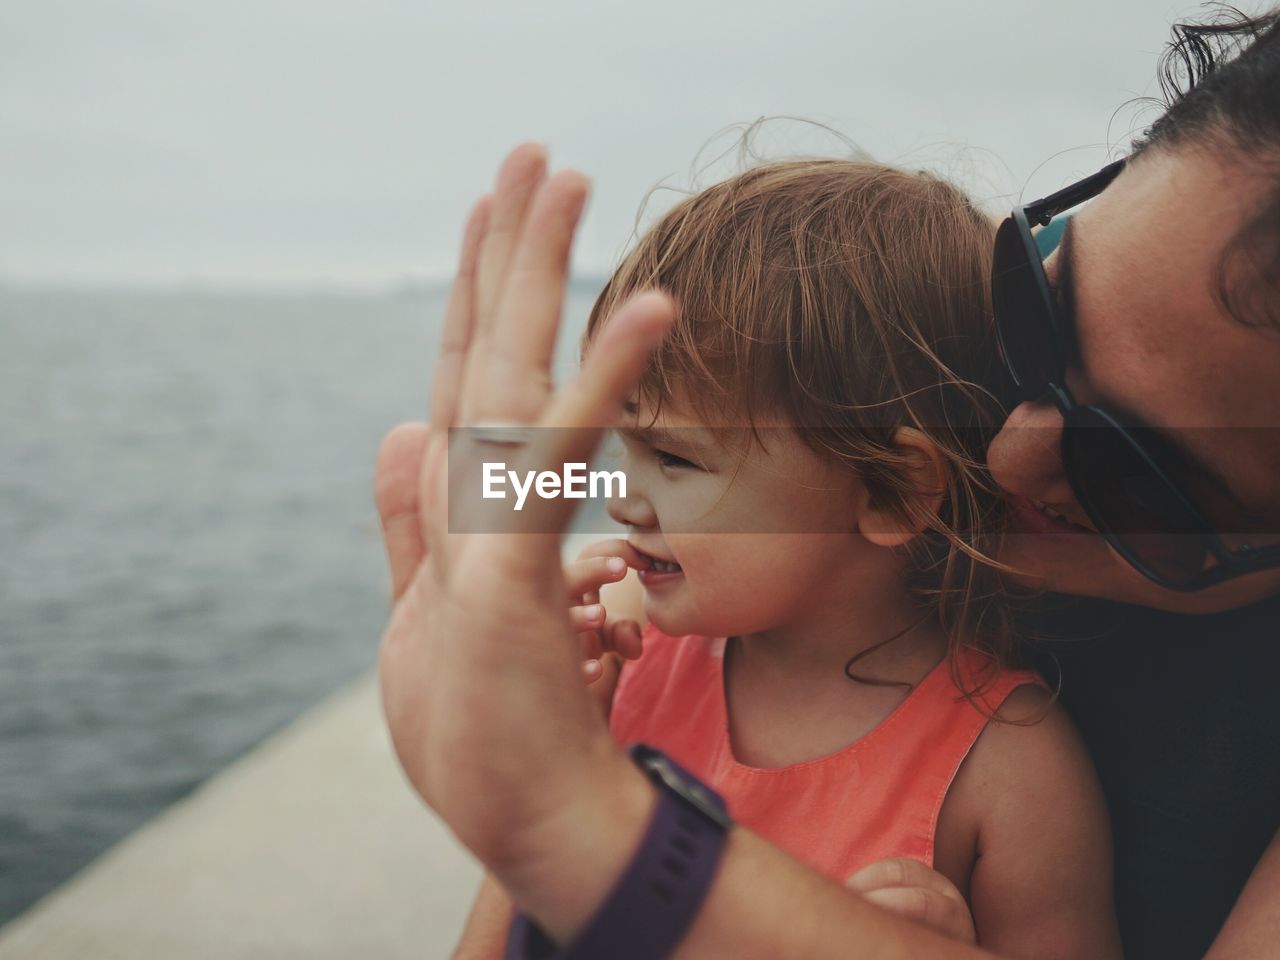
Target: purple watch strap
(657, 897)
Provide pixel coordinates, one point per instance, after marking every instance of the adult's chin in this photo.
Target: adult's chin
(1084, 565)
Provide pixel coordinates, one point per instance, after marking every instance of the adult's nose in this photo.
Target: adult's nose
(1025, 458)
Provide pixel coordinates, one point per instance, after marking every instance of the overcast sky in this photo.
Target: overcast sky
(275, 142)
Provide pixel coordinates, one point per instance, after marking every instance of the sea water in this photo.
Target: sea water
(189, 552)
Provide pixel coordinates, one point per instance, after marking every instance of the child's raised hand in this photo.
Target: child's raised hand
(911, 890)
(584, 578)
(605, 642)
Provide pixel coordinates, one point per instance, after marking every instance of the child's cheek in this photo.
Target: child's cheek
(717, 580)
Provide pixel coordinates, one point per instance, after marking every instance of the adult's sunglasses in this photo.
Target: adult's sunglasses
(1126, 476)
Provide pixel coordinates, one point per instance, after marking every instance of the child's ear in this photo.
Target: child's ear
(928, 477)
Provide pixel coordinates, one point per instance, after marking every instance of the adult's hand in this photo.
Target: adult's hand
(480, 667)
(911, 890)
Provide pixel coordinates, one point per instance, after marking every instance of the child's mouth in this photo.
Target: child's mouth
(659, 571)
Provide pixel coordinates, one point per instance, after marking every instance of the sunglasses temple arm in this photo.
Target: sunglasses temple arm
(1045, 209)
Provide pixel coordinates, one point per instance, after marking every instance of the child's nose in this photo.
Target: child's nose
(633, 510)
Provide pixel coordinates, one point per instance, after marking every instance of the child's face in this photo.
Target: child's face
(745, 539)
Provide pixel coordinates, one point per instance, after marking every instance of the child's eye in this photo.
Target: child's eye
(670, 460)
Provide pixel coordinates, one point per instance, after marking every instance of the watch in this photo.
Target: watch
(656, 899)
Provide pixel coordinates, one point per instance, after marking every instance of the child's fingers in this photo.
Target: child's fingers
(589, 575)
(589, 645)
(604, 680)
(592, 670)
(624, 639)
(586, 619)
(615, 548)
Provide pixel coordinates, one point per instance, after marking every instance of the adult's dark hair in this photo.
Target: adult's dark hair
(1221, 81)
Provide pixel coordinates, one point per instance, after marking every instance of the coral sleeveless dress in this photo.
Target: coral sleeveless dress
(878, 797)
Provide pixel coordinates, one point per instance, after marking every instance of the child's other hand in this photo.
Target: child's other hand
(605, 643)
(911, 890)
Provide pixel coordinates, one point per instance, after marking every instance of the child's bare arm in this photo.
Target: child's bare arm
(1041, 885)
(485, 935)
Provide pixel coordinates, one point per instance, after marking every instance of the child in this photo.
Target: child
(827, 644)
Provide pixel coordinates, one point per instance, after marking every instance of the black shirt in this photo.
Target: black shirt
(1182, 717)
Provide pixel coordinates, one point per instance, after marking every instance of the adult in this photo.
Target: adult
(1171, 283)
(1170, 276)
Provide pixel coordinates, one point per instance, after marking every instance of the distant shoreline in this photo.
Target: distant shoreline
(408, 288)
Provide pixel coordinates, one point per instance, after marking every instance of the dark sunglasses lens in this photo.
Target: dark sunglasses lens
(1130, 499)
(1023, 319)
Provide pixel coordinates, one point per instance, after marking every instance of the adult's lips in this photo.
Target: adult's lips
(1033, 516)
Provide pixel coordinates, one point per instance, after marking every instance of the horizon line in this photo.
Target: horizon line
(409, 285)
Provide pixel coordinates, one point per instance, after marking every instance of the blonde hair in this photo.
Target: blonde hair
(852, 299)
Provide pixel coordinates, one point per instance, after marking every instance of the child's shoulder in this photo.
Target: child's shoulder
(1027, 732)
(1028, 753)
(989, 685)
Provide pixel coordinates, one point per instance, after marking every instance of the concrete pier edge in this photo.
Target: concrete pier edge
(311, 845)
